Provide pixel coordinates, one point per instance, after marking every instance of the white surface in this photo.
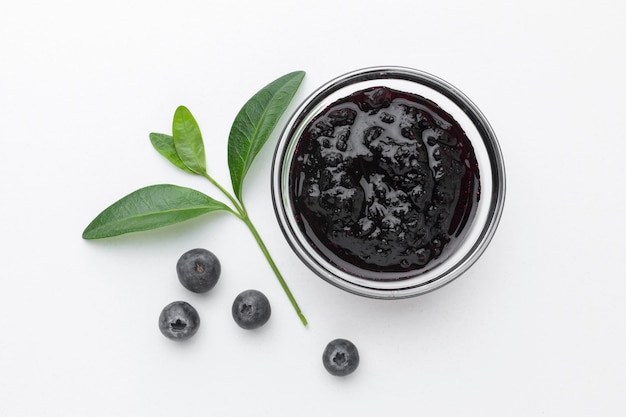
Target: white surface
(535, 328)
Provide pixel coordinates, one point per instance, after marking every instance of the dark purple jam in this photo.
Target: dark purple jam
(384, 181)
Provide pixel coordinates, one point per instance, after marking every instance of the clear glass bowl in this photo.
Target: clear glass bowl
(489, 205)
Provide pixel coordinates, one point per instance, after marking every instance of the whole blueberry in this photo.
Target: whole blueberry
(179, 321)
(251, 309)
(341, 357)
(198, 270)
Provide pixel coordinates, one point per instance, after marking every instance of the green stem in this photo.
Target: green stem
(239, 207)
(243, 215)
(281, 280)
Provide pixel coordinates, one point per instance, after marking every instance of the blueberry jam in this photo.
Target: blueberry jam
(384, 181)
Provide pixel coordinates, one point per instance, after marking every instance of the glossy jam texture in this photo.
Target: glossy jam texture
(384, 181)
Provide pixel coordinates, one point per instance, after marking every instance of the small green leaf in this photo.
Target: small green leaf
(164, 144)
(150, 208)
(255, 122)
(188, 140)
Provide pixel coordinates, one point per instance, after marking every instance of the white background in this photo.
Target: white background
(534, 328)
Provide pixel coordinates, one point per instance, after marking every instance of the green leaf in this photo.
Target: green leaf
(255, 122)
(188, 140)
(164, 144)
(150, 208)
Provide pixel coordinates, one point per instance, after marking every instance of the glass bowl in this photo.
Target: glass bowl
(487, 203)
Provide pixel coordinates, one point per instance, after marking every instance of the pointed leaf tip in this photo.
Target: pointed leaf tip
(188, 141)
(255, 122)
(149, 208)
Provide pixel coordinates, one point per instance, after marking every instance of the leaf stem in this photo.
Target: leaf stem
(243, 215)
(281, 280)
(241, 211)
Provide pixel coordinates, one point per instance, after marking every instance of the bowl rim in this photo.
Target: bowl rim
(408, 287)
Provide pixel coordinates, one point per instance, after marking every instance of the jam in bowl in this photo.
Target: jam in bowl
(388, 182)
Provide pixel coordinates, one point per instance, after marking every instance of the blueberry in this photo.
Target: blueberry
(340, 357)
(179, 321)
(251, 309)
(198, 270)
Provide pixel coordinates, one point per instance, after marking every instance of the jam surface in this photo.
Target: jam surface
(384, 181)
